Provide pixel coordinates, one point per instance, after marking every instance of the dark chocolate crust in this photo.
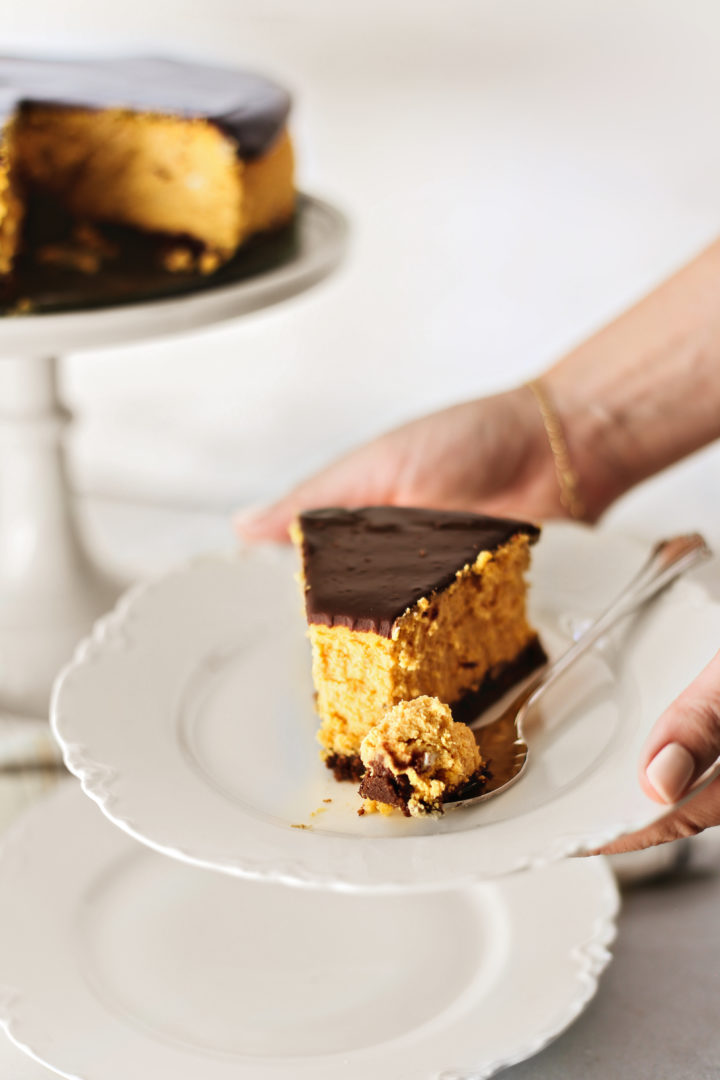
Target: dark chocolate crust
(498, 681)
(471, 788)
(250, 109)
(381, 784)
(364, 568)
(345, 766)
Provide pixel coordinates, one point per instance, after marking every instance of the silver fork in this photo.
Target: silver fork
(501, 741)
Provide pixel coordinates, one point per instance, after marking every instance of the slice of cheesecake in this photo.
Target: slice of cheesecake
(417, 758)
(403, 603)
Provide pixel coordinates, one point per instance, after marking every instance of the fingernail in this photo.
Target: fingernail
(670, 771)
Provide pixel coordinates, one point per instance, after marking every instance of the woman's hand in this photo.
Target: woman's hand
(684, 743)
(489, 455)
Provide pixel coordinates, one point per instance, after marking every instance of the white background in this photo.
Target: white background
(515, 171)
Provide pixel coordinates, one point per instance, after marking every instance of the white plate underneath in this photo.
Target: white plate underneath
(116, 962)
(188, 717)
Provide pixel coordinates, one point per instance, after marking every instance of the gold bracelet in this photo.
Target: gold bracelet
(567, 478)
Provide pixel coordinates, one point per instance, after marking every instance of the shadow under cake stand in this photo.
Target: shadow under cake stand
(51, 589)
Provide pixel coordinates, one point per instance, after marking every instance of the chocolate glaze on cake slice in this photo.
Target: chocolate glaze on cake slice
(365, 568)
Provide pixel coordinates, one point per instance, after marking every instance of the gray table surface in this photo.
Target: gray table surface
(656, 1015)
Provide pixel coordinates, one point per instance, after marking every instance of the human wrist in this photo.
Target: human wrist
(590, 435)
(567, 477)
(535, 468)
(644, 391)
(631, 406)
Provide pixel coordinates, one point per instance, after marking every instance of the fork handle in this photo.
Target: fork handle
(667, 561)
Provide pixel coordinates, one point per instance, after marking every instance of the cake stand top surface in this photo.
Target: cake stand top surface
(84, 314)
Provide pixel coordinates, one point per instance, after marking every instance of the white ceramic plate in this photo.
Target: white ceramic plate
(18, 1066)
(188, 717)
(116, 963)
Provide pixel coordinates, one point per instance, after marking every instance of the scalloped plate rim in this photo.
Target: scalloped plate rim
(589, 956)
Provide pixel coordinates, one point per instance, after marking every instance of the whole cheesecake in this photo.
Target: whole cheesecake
(183, 150)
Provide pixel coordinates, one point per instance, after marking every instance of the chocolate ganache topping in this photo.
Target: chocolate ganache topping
(364, 568)
(250, 109)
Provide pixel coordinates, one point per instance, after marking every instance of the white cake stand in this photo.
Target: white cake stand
(51, 590)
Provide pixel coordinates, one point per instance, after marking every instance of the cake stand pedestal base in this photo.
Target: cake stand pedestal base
(50, 590)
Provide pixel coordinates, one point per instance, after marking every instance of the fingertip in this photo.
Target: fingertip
(649, 790)
(645, 784)
(670, 772)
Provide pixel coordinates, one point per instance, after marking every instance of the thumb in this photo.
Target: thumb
(686, 739)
